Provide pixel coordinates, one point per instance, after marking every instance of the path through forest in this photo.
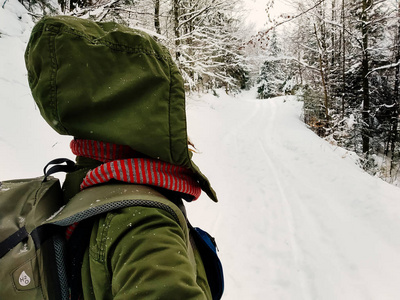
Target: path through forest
(297, 218)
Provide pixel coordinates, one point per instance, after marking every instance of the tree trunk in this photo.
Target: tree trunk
(176, 27)
(343, 57)
(333, 34)
(395, 119)
(365, 84)
(321, 70)
(157, 16)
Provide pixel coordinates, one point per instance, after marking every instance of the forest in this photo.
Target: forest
(340, 57)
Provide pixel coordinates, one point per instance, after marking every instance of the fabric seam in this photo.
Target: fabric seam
(169, 110)
(113, 46)
(53, 75)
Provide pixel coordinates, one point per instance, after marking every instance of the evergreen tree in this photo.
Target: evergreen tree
(271, 80)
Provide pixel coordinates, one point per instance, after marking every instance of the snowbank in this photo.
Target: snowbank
(297, 218)
(27, 143)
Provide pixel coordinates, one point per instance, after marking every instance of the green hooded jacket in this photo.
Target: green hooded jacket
(110, 83)
(137, 252)
(107, 82)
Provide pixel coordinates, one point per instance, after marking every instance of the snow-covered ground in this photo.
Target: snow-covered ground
(296, 218)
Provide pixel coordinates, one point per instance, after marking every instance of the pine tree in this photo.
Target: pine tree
(271, 80)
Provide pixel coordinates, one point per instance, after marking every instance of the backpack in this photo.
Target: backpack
(33, 220)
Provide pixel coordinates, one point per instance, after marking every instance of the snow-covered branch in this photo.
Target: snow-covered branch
(390, 66)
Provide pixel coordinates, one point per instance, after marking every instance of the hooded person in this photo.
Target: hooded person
(119, 94)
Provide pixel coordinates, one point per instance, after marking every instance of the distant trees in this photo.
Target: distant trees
(275, 77)
(347, 65)
(35, 6)
(342, 57)
(202, 34)
(270, 80)
(206, 44)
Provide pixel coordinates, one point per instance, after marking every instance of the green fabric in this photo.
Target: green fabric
(27, 203)
(136, 252)
(107, 82)
(141, 253)
(73, 180)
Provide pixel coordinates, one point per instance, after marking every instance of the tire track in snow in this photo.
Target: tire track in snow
(276, 231)
(269, 115)
(288, 213)
(295, 221)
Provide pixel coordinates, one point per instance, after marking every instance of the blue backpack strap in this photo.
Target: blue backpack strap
(207, 248)
(208, 251)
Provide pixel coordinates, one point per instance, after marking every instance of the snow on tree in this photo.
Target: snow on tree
(201, 34)
(347, 58)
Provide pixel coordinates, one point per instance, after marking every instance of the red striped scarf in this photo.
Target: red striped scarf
(119, 165)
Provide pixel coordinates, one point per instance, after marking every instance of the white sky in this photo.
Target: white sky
(257, 15)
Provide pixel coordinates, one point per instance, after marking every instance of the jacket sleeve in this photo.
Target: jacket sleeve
(145, 255)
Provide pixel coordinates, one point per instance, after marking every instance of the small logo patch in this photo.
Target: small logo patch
(24, 279)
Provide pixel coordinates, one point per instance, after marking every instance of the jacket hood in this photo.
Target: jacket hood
(111, 83)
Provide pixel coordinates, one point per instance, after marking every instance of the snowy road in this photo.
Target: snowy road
(297, 219)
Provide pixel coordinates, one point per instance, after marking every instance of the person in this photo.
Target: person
(117, 91)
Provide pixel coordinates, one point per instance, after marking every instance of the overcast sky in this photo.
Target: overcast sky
(257, 14)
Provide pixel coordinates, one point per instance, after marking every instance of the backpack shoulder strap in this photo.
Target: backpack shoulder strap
(104, 198)
(101, 199)
(25, 204)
